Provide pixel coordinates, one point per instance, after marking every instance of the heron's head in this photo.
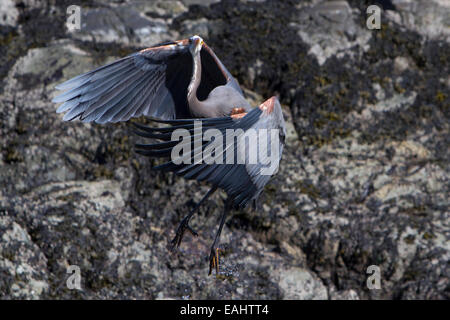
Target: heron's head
(195, 44)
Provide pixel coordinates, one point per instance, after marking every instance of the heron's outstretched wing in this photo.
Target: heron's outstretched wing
(152, 82)
(214, 73)
(243, 181)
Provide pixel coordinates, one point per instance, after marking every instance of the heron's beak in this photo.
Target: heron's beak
(199, 44)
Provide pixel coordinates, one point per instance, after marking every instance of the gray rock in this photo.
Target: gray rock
(127, 24)
(329, 28)
(8, 13)
(344, 295)
(300, 284)
(23, 266)
(199, 27)
(429, 18)
(363, 180)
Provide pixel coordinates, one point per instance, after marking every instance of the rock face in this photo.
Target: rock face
(364, 179)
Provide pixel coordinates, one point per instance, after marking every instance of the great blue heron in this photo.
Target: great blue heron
(180, 83)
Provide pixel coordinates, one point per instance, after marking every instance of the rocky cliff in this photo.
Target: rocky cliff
(364, 178)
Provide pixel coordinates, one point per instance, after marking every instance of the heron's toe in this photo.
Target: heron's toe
(214, 260)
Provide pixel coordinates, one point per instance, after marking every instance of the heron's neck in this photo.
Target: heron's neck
(198, 108)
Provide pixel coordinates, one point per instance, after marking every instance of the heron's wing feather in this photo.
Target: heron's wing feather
(215, 72)
(270, 150)
(233, 178)
(152, 82)
(241, 180)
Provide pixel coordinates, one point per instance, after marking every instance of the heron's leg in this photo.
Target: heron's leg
(184, 224)
(214, 255)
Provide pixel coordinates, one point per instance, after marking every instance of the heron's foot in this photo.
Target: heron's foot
(214, 260)
(184, 225)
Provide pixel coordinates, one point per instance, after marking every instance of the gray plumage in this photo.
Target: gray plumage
(178, 83)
